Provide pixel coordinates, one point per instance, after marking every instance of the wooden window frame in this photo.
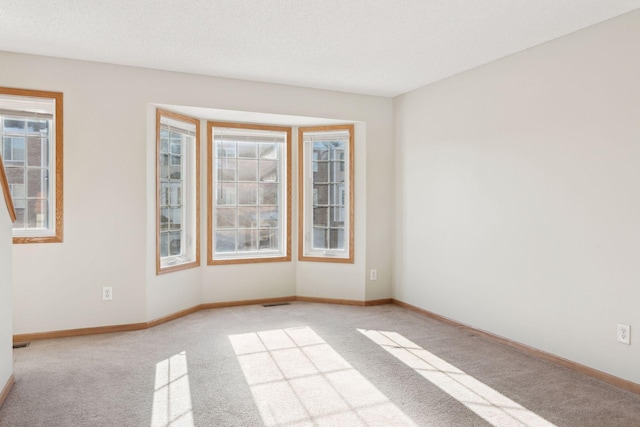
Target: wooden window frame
(58, 231)
(189, 264)
(302, 183)
(211, 184)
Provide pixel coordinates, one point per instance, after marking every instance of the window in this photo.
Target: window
(178, 188)
(326, 193)
(31, 129)
(249, 193)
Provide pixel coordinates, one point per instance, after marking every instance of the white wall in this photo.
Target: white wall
(6, 307)
(109, 207)
(518, 204)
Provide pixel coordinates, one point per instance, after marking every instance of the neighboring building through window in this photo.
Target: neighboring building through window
(249, 193)
(178, 200)
(326, 193)
(31, 130)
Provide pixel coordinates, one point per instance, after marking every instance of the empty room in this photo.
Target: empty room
(331, 213)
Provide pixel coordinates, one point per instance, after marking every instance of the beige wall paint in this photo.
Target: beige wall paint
(6, 307)
(517, 196)
(109, 197)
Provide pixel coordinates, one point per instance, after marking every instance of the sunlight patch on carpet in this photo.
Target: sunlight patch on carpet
(296, 378)
(172, 395)
(492, 406)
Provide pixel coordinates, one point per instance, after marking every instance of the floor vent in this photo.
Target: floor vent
(275, 304)
(21, 344)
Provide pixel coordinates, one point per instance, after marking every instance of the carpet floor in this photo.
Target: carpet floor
(302, 364)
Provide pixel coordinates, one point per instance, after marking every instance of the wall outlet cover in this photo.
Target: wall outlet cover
(624, 333)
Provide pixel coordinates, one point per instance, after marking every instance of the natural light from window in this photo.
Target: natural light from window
(296, 378)
(172, 395)
(492, 406)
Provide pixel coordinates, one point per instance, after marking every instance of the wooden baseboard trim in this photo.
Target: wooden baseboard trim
(211, 305)
(6, 389)
(20, 338)
(331, 301)
(66, 333)
(531, 351)
(173, 316)
(373, 302)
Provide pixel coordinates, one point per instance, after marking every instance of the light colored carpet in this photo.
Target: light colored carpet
(302, 364)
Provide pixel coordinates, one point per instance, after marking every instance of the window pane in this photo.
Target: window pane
(336, 172)
(164, 166)
(164, 245)
(247, 150)
(228, 149)
(320, 216)
(319, 238)
(268, 151)
(225, 218)
(37, 214)
(13, 126)
(247, 194)
(321, 194)
(268, 171)
(226, 170)
(247, 217)
(225, 241)
(321, 174)
(268, 194)
(164, 142)
(17, 191)
(247, 170)
(15, 175)
(247, 240)
(269, 239)
(37, 152)
(175, 168)
(337, 216)
(268, 217)
(13, 153)
(320, 151)
(175, 244)
(226, 194)
(36, 183)
(164, 194)
(20, 207)
(175, 143)
(164, 219)
(336, 238)
(175, 219)
(337, 194)
(175, 194)
(40, 127)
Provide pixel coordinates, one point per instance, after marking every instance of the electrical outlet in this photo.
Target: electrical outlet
(107, 293)
(624, 334)
(373, 274)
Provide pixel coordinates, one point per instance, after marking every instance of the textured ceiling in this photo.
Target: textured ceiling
(377, 47)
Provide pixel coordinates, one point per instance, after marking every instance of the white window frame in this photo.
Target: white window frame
(283, 253)
(189, 254)
(308, 196)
